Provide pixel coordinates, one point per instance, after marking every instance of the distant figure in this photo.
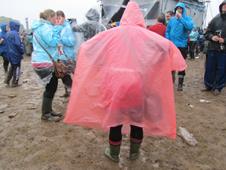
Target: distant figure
(177, 31)
(193, 39)
(66, 49)
(215, 72)
(3, 46)
(168, 16)
(92, 26)
(159, 27)
(15, 51)
(123, 79)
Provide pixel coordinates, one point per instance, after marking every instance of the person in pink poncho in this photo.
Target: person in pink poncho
(123, 78)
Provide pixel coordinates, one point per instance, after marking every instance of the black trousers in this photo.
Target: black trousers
(5, 64)
(14, 72)
(51, 87)
(192, 47)
(115, 136)
(184, 52)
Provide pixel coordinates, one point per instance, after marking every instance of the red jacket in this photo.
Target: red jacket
(158, 28)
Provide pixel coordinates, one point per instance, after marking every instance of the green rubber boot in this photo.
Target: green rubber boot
(112, 152)
(134, 150)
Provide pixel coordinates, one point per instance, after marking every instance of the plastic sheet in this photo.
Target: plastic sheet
(123, 76)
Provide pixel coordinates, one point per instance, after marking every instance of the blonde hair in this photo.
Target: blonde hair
(48, 13)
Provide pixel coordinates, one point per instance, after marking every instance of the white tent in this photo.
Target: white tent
(152, 8)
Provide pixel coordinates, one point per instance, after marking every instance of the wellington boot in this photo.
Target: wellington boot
(46, 105)
(134, 150)
(112, 152)
(180, 84)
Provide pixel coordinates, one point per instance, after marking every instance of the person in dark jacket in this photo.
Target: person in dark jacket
(214, 78)
(177, 31)
(3, 46)
(15, 51)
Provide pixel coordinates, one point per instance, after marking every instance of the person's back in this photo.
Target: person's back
(15, 51)
(123, 77)
(15, 46)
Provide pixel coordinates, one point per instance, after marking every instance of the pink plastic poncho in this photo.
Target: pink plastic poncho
(123, 76)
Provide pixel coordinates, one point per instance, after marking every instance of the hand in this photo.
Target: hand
(178, 15)
(221, 40)
(215, 38)
(1, 40)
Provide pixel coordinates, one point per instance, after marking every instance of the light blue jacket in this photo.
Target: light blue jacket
(194, 35)
(49, 36)
(67, 39)
(178, 29)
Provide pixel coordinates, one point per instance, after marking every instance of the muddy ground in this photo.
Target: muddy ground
(27, 143)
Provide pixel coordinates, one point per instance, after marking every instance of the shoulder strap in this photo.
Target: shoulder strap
(51, 58)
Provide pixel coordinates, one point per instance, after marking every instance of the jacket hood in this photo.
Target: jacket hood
(133, 15)
(14, 26)
(93, 15)
(3, 27)
(38, 23)
(182, 5)
(221, 5)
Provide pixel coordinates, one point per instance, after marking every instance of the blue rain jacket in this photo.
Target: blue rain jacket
(15, 46)
(67, 39)
(49, 36)
(178, 29)
(3, 45)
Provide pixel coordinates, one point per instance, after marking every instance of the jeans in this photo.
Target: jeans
(214, 77)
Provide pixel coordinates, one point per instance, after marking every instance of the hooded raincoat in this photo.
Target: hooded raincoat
(67, 39)
(15, 47)
(178, 29)
(3, 45)
(217, 25)
(124, 77)
(92, 26)
(49, 36)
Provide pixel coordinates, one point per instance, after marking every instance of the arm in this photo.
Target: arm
(78, 28)
(18, 44)
(187, 22)
(210, 31)
(67, 37)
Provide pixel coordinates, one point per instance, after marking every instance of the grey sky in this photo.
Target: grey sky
(20, 9)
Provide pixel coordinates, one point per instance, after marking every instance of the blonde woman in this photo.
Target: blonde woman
(47, 34)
